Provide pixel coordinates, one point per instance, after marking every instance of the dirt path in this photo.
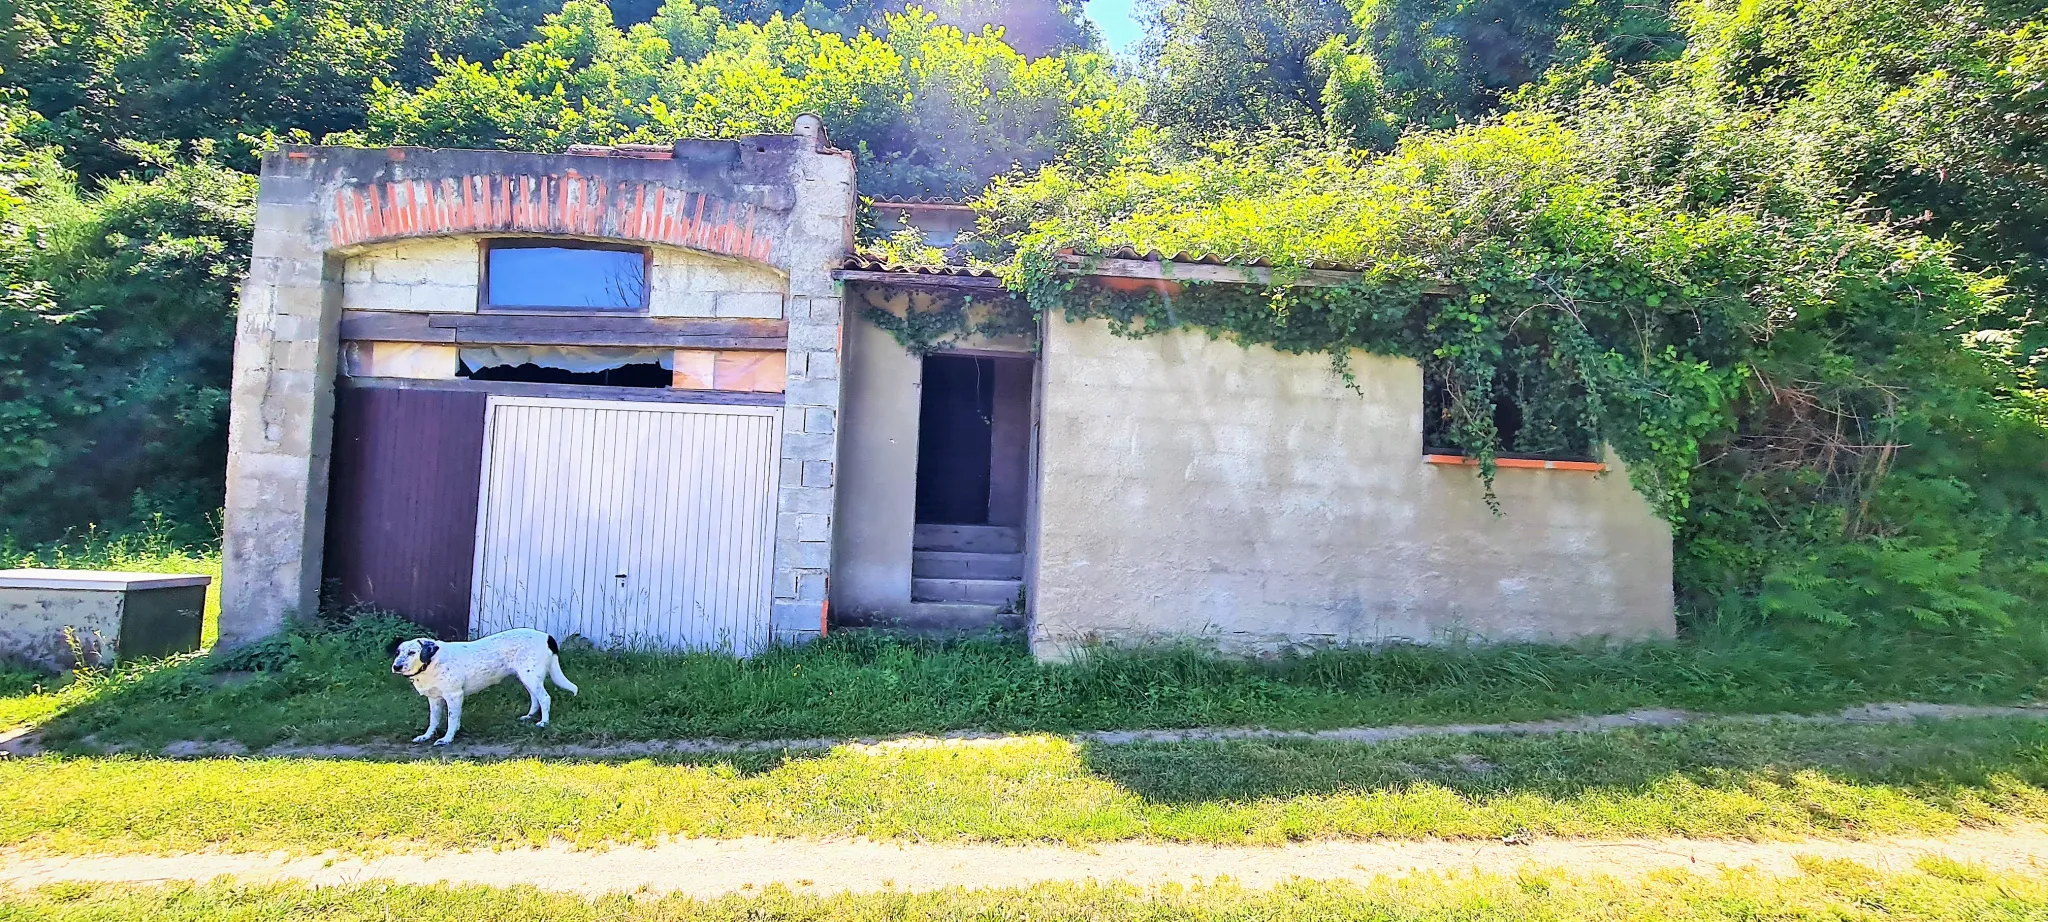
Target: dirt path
(713, 868)
(23, 743)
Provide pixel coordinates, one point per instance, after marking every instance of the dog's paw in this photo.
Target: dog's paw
(423, 737)
(443, 742)
(526, 717)
(540, 723)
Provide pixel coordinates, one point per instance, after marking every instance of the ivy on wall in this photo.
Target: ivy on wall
(1523, 381)
(926, 321)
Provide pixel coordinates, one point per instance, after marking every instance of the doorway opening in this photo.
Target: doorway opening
(974, 437)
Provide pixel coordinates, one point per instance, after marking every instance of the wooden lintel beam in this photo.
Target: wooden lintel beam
(561, 330)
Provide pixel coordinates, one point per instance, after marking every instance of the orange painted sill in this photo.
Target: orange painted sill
(1520, 462)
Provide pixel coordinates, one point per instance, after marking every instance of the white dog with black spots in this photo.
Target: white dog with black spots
(445, 671)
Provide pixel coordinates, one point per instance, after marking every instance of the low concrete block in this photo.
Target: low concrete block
(64, 619)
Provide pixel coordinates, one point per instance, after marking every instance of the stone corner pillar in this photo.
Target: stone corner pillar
(821, 235)
(280, 424)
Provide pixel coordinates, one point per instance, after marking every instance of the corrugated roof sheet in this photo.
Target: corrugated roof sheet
(1204, 259)
(631, 151)
(918, 201)
(863, 263)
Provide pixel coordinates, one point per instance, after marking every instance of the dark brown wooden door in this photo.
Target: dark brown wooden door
(401, 512)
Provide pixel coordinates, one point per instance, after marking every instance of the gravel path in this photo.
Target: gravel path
(707, 868)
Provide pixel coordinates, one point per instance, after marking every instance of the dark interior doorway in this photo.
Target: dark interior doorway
(955, 422)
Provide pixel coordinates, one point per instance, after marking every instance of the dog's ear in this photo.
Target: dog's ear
(391, 649)
(427, 650)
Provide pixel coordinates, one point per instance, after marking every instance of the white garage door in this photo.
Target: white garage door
(631, 524)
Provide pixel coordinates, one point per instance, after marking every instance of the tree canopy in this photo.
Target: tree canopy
(929, 109)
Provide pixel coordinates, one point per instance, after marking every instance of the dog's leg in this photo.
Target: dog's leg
(547, 704)
(536, 697)
(454, 719)
(433, 719)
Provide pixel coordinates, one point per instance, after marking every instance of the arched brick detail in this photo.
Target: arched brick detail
(566, 203)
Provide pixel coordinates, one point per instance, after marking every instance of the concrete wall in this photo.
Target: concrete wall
(33, 623)
(780, 205)
(1192, 488)
(878, 489)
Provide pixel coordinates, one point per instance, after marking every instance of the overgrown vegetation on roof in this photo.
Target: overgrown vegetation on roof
(1838, 412)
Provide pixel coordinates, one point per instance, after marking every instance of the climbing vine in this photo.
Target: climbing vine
(1508, 371)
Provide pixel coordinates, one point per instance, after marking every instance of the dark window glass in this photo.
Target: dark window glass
(567, 277)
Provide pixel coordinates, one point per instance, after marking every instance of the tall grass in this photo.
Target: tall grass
(332, 683)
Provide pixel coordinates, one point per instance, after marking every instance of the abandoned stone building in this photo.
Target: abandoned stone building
(648, 396)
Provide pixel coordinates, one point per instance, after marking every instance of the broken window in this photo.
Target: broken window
(603, 367)
(1539, 410)
(564, 275)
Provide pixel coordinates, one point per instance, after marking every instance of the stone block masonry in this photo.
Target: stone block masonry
(773, 215)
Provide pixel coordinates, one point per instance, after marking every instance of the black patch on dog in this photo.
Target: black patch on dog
(427, 650)
(391, 649)
(554, 647)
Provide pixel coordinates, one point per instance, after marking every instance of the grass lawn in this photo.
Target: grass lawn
(1773, 780)
(333, 684)
(1830, 891)
(336, 686)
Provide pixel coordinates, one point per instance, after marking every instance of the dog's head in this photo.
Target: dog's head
(414, 656)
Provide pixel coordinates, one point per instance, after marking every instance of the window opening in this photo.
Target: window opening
(595, 366)
(564, 275)
(1539, 411)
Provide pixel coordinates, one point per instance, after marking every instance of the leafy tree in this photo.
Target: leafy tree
(927, 108)
(232, 73)
(1935, 112)
(1435, 63)
(116, 329)
(1034, 27)
(1213, 65)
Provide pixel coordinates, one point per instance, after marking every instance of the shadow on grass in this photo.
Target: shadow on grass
(1942, 760)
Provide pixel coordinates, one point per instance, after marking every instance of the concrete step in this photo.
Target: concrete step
(986, 591)
(958, 565)
(974, 539)
(941, 619)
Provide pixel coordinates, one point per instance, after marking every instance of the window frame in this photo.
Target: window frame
(1438, 452)
(483, 273)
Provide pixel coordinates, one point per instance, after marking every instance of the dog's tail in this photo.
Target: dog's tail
(555, 668)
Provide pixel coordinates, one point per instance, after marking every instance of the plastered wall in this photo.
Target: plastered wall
(1191, 488)
(440, 275)
(878, 483)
